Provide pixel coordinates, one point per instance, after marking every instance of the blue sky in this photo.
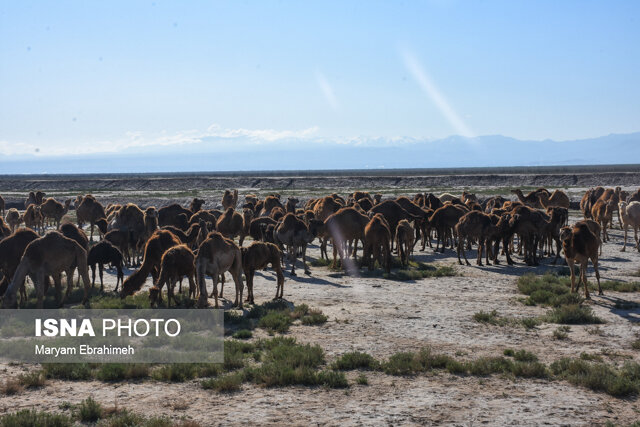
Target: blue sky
(86, 77)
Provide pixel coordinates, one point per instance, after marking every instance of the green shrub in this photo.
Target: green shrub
(175, 372)
(315, 317)
(355, 360)
(573, 314)
(243, 334)
(67, 371)
(30, 417)
(561, 333)
(597, 376)
(525, 356)
(225, 384)
(275, 321)
(89, 410)
(32, 379)
(362, 380)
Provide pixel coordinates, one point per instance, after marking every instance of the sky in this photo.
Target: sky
(86, 77)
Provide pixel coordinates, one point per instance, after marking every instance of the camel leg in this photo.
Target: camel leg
(93, 275)
(170, 296)
(583, 277)
(635, 235)
(214, 291)
(101, 276)
(459, 250)
(558, 246)
(480, 248)
(248, 275)
(237, 278)
(304, 259)
(38, 284)
(594, 260)
(192, 287)
(624, 246)
(335, 254)
(571, 263)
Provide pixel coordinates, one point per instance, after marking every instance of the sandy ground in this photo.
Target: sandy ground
(385, 317)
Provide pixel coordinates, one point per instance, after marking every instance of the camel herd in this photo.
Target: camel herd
(174, 242)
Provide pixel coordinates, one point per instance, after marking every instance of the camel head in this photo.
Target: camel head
(151, 211)
(565, 233)
(622, 207)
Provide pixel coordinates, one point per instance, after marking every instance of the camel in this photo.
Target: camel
(345, 226)
(270, 202)
(177, 262)
(446, 197)
(443, 220)
(1, 206)
(120, 239)
(208, 216)
(502, 232)
(415, 210)
(290, 206)
(257, 256)
(34, 198)
(326, 207)
(11, 251)
(13, 219)
(54, 210)
(558, 199)
(634, 197)
(377, 243)
(72, 232)
(580, 245)
(247, 218)
(189, 238)
(89, 210)
(558, 217)
(529, 224)
(230, 224)
(50, 255)
(277, 213)
(474, 225)
(404, 241)
(468, 197)
(377, 198)
(531, 199)
(258, 226)
(293, 233)
(630, 216)
(170, 215)
(216, 255)
(160, 241)
(105, 253)
(595, 229)
(150, 220)
(393, 212)
(196, 205)
(602, 213)
(4, 230)
(130, 220)
(230, 200)
(493, 202)
(251, 199)
(432, 202)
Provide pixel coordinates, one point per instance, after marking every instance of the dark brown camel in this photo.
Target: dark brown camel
(257, 256)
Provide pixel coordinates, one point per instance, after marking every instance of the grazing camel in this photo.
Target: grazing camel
(230, 224)
(630, 216)
(50, 255)
(160, 241)
(293, 233)
(14, 219)
(54, 210)
(404, 241)
(216, 255)
(230, 200)
(346, 225)
(90, 210)
(257, 256)
(474, 225)
(580, 245)
(11, 251)
(558, 199)
(177, 262)
(105, 253)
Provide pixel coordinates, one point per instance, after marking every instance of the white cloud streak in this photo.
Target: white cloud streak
(431, 90)
(327, 90)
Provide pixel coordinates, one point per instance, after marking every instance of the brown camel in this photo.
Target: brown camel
(377, 243)
(229, 199)
(171, 215)
(189, 238)
(404, 241)
(580, 245)
(258, 226)
(196, 205)
(346, 225)
(326, 207)
(11, 251)
(443, 220)
(293, 233)
(177, 262)
(4, 230)
(230, 224)
(160, 241)
(13, 219)
(120, 239)
(474, 225)
(208, 216)
(277, 213)
(247, 218)
(150, 220)
(216, 255)
(130, 220)
(630, 216)
(602, 213)
(393, 212)
(290, 206)
(532, 199)
(54, 210)
(257, 256)
(72, 232)
(270, 202)
(558, 199)
(105, 253)
(529, 224)
(90, 210)
(50, 255)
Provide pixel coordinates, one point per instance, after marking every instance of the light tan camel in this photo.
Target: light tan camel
(580, 245)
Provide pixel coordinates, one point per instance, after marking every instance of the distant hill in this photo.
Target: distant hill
(454, 151)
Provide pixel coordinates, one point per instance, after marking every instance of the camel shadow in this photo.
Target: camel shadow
(628, 310)
(303, 278)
